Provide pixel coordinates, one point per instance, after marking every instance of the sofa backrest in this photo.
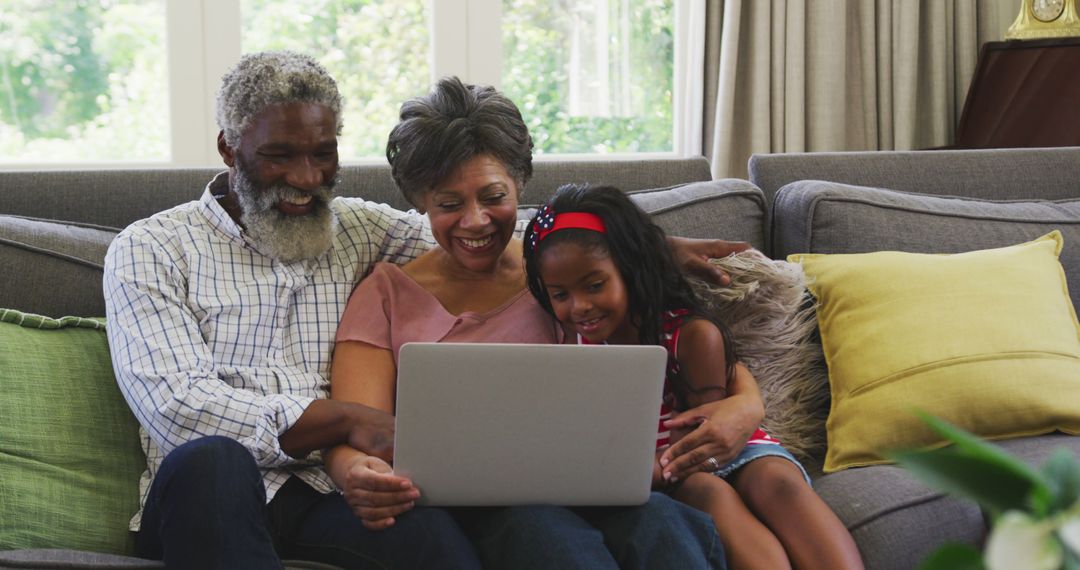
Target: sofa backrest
(814, 216)
(115, 198)
(946, 201)
(59, 261)
(991, 174)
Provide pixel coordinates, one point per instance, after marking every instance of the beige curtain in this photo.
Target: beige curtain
(828, 75)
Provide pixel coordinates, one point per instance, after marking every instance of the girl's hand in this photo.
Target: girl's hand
(713, 432)
(375, 494)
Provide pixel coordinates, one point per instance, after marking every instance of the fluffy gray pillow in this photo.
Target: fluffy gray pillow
(773, 325)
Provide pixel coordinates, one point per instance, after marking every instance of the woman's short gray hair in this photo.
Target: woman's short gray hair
(450, 125)
(272, 78)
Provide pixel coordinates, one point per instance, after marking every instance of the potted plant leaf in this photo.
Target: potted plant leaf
(1035, 513)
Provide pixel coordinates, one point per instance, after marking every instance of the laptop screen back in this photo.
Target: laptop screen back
(510, 424)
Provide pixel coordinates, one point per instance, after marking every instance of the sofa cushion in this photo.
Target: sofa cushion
(727, 209)
(897, 520)
(948, 334)
(53, 268)
(825, 217)
(69, 447)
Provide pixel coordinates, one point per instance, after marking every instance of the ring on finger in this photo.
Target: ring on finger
(711, 464)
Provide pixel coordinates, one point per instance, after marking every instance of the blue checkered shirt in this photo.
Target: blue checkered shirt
(211, 337)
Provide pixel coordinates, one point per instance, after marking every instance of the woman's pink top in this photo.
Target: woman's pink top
(388, 309)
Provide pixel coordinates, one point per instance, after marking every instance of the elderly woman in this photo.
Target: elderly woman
(462, 155)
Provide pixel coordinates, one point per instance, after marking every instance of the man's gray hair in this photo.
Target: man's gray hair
(272, 78)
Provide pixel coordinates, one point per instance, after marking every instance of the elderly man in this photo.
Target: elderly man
(222, 314)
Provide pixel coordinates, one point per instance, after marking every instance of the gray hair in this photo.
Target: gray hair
(450, 125)
(272, 78)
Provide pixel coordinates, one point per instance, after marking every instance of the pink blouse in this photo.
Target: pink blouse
(388, 309)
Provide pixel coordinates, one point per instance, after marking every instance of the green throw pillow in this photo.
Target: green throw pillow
(70, 457)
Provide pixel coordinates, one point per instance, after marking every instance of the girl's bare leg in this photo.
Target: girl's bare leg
(747, 542)
(773, 489)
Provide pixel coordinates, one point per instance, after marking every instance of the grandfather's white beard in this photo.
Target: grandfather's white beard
(283, 237)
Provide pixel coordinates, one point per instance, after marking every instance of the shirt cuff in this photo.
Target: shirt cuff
(281, 412)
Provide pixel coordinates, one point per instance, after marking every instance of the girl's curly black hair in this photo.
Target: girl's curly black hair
(638, 247)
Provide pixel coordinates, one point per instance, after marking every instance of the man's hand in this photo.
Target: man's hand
(693, 255)
(373, 433)
(375, 494)
(326, 423)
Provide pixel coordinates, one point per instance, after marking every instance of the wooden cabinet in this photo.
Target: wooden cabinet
(1023, 94)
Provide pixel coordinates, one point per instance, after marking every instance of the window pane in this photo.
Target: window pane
(592, 75)
(83, 81)
(377, 50)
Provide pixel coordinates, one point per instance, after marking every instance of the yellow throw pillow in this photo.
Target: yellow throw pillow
(986, 339)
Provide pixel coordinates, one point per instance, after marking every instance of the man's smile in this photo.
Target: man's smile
(296, 206)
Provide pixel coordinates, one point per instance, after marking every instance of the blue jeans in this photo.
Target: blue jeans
(662, 533)
(207, 509)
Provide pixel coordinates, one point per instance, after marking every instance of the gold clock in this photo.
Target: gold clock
(1045, 19)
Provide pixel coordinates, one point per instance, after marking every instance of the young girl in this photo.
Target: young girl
(597, 263)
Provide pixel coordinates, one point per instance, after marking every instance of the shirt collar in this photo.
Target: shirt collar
(219, 218)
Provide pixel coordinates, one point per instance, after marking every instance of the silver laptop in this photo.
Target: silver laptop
(513, 424)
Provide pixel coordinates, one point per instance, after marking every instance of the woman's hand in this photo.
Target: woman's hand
(707, 434)
(658, 481)
(375, 494)
(718, 429)
(693, 256)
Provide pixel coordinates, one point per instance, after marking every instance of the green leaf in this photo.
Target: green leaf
(992, 486)
(954, 556)
(1062, 472)
(977, 470)
(970, 444)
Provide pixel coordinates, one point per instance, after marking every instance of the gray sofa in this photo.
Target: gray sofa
(939, 202)
(825, 203)
(54, 230)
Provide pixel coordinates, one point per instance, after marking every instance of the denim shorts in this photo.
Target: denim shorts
(757, 451)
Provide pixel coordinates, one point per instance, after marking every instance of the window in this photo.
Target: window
(377, 52)
(591, 76)
(85, 82)
(134, 81)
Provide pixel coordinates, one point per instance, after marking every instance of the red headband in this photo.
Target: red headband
(573, 220)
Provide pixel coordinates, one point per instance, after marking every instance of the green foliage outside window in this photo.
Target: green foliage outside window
(82, 80)
(86, 80)
(377, 50)
(537, 45)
